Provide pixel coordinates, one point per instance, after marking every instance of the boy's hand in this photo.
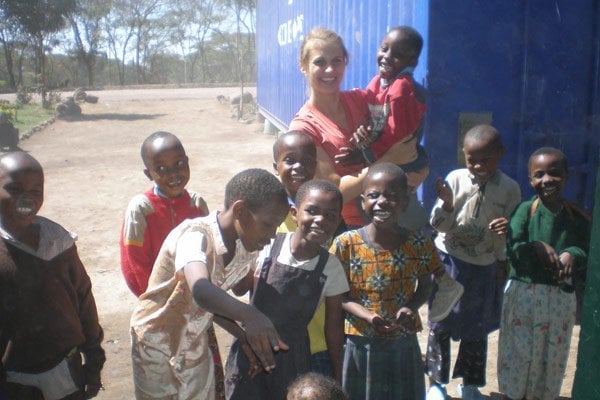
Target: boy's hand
(406, 320)
(262, 337)
(547, 256)
(253, 366)
(443, 192)
(499, 226)
(349, 156)
(568, 265)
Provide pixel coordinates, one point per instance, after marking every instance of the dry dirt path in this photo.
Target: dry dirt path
(93, 168)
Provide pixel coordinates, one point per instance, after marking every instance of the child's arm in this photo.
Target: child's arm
(136, 258)
(88, 317)
(136, 265)
(260, 332)
(334, 333)
(442, 214)
(520, 250)
(513, 198)
(382, 326)
(405, 316)
(236, 331)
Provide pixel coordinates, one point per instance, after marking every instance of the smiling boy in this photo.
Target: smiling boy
(48, 316)
(152, 215)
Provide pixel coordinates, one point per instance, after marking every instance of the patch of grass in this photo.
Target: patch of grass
(31, 115)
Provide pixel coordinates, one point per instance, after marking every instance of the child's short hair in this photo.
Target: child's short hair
(31, 163)
(326, 35)
(389, 169)
(549, 151)
(256, 187)
(483, 131)
(318, 184)
(153, 136)
(280, 139)
(314, 386)
(412, 37)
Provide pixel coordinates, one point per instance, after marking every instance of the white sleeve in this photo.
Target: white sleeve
(191, 247)
(336, 282)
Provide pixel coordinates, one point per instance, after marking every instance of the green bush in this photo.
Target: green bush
(8, 110)
(24, 96)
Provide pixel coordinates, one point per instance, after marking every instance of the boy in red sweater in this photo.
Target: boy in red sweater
(151, 216)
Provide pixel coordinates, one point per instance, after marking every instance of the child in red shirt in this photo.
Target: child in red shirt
(151, 216)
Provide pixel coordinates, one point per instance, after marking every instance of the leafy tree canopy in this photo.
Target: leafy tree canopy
(38, 17)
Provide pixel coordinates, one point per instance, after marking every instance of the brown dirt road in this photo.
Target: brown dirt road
(93, 168)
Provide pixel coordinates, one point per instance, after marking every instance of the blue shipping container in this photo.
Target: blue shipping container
(531, 68)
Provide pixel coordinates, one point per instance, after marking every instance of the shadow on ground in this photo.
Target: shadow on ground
(499, 396)
(113, 117)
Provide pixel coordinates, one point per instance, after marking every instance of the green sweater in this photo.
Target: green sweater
(567, 230)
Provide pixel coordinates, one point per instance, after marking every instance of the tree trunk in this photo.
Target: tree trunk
(8, 56)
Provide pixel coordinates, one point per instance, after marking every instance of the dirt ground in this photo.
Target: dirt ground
(93, 168)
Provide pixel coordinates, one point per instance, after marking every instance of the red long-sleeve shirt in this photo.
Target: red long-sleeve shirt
(148, 220)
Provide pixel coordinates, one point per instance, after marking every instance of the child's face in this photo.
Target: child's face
(296, 163)
(547, 176)
(167, 165)
(383, 199)
(482, 158)
(393, 55)
(325, 67)
(21, 197)
(318, 216)
(255, 229)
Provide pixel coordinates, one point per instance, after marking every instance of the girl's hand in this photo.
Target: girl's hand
(499, 226)
(381, 325)
(568, 265)
(405, 319)
(443, 192)
(547, 256)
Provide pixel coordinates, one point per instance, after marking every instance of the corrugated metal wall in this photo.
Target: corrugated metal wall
(530, 67)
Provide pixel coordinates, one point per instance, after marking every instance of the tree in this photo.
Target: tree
(144, 24)
(13, 45)
(242, 10)
(190, 22)
(86, 23)
(119, 30)
(38, 19)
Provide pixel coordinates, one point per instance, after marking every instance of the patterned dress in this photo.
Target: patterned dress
(538, 314)
(375, 366)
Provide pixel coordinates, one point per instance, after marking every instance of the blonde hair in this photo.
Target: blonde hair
(323, 34)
